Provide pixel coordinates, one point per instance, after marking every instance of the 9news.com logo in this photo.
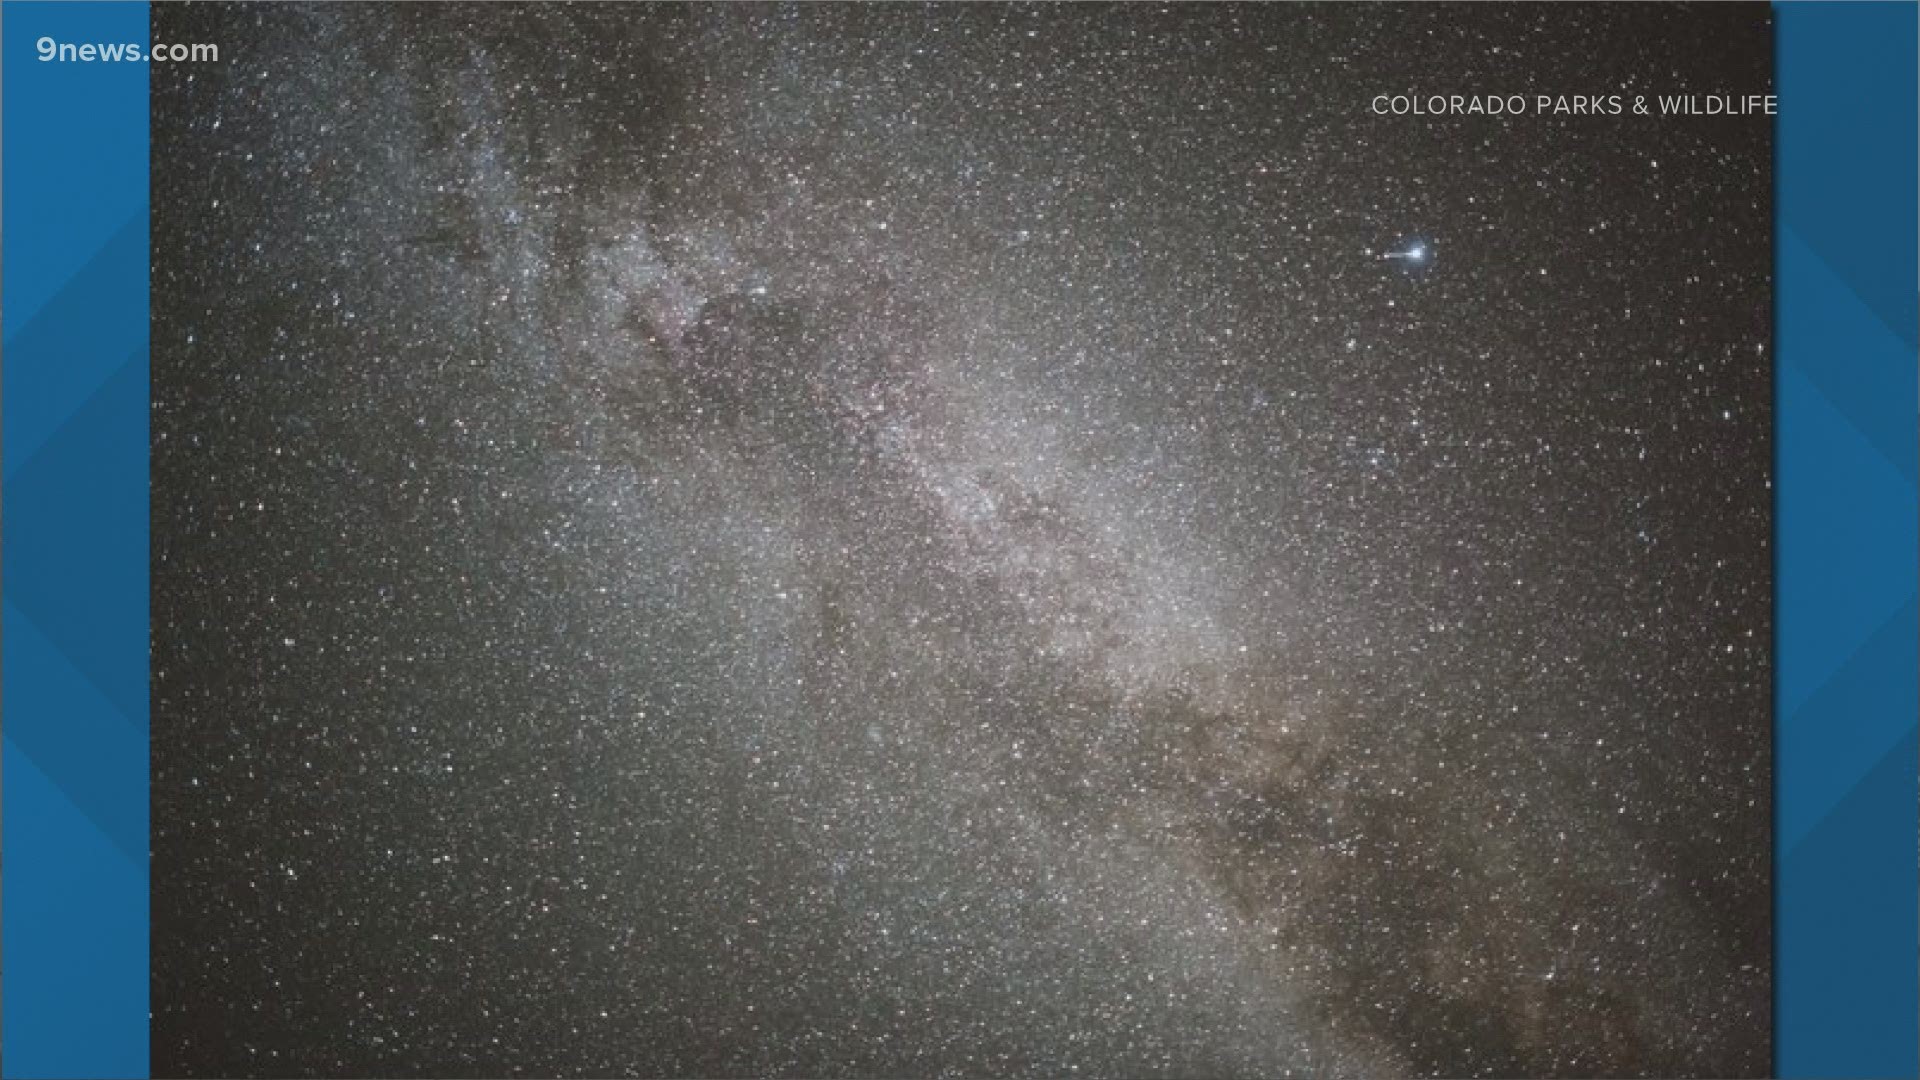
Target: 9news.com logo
(48, 50)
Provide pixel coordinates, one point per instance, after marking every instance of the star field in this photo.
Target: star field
(961, 540)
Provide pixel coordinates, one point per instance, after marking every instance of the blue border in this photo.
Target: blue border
(1847, 810)
(73, 546)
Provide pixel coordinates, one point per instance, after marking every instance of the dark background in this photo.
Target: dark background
(903, 541)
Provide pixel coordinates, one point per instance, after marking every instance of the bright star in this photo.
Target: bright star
(1415, 253)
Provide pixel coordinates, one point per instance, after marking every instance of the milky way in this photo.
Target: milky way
(935, 541)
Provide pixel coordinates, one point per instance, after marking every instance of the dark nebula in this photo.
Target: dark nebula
(909, 541)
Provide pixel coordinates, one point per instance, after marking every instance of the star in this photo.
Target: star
(1414, 254)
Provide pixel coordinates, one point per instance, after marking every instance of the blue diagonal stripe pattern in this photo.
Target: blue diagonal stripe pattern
(73, 547)
(93, 349)
(1847, 759)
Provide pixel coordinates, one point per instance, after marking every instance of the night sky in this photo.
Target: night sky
(958, 541)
